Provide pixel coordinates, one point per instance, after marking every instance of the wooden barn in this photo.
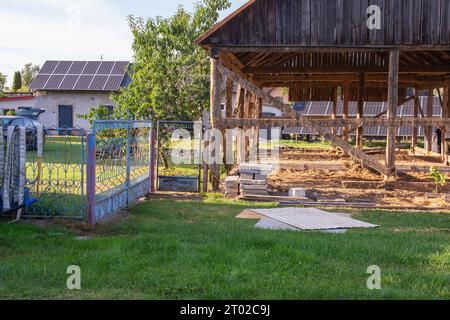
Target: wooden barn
(324, 50)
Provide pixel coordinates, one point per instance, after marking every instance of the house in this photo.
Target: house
(67, 89)
(11, 103)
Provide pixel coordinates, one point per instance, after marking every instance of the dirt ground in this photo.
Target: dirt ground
(322, 173)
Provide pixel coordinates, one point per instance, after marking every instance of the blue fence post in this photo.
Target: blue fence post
(128, 170)
(152, 159)
(91, 177)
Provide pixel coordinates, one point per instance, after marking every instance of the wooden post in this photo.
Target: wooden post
(394, 57)
(345, 110)
(240, 96)
(334, 99)
(429, 129)
(361, 92)
(258, 115)
(247, 108)
(415, 115)
(216, 113)
(228, 115)
(445, 115)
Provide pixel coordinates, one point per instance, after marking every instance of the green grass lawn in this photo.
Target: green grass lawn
(169, 249)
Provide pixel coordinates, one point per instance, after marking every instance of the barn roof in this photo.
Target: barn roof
(307, 44)
(332, 23)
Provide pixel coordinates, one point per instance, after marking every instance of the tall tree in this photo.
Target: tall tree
(29, 72)
(2, 81)
(17, 82)
(170, 72)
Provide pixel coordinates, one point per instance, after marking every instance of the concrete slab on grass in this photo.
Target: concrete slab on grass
(310, 219)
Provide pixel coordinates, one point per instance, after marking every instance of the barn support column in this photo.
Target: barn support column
(228, 115)
(429, 129)
(361, 92)
(240, 96)
(345, 130)
(394, 56)
(246, 138)
(258, 115)
(216, 115)
(334, 99)
(415, 116)
(445, 115)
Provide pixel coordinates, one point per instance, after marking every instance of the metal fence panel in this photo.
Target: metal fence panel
(55, 178)
(120, 156)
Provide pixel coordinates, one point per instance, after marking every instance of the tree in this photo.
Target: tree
(170, 72)
(2, 82)
(29, 72)
(17, 81)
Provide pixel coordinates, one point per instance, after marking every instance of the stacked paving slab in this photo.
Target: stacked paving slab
(253, 179)
(232, 186)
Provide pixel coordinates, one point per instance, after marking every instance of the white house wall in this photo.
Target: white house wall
(80, 101)
(16, 104)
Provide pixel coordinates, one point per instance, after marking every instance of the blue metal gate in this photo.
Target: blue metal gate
(120, 157)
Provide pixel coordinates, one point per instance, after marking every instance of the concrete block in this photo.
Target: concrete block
(254, 187)
(297, 193)
(249, 176)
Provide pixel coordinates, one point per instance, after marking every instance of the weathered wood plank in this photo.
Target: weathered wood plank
(287, 110)
(216, 80)
(392, 111)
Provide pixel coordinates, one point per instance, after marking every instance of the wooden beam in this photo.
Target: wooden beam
(229, 98)
(363, 158)
(392, 112)
(360, 111)
(329, 123)
(216, 113)
(240, 97)
(446, 113)
(286, 109)
(334, 111)
(332, 78)
(216, 79)
(349, 70)
(341, 48)
(228, 114)
(345, 132)
(414, 125)
(429, 129)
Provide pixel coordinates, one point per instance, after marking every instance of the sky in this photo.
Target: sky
(38, 30)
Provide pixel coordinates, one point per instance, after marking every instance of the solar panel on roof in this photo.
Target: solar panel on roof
(54, 82)
(98, 83)
(39, 81)
(113, 83)
(120, 67)
(106, 68)
(81, 75)
(77, 67)
(68, 82)
(91, 67)
(83, 83)
(48, 67)
(62, 67)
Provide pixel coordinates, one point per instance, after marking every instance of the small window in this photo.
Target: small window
(9, 112)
